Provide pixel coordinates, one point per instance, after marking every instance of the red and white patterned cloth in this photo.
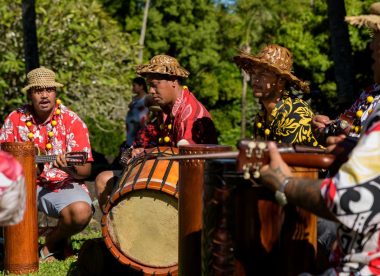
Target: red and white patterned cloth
(12, 190)
(70, 135)
(189, 121)
(353, 196)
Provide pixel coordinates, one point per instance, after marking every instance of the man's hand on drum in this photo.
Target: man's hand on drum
(273, 174)
(319, 123)
(137, 151)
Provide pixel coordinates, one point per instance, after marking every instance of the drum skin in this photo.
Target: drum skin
(244, 230)
(140, 223)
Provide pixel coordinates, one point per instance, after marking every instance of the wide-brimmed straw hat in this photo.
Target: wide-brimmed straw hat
(41, 77)
(164, 65)
(371, 21)
(272, 57)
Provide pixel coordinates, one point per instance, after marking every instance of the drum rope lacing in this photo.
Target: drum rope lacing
(141, 160)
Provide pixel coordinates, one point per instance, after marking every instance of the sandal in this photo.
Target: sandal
(50, 257)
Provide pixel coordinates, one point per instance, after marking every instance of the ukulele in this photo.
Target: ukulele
(342, 125)
(72, 158)
(254, 154)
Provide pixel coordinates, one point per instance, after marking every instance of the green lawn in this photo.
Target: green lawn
(68, 266)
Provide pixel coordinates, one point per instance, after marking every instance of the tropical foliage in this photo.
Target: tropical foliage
(92, 45)
(92, 57)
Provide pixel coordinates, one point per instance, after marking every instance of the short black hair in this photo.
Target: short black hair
(158, 76)
(141, 81)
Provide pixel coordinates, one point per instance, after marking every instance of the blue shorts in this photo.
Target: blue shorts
(52, 202)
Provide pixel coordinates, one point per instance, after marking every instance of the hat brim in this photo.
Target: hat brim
(371, 21)
(45, 85)
(248, 62)
(168, 70)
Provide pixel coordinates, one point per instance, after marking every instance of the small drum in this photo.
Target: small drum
(140, 224)
(245, 232)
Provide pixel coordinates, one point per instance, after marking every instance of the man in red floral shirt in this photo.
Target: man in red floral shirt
(184, 120)
(56, 130)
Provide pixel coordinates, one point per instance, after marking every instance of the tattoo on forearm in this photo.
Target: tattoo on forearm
(279, 172)
(306, 194)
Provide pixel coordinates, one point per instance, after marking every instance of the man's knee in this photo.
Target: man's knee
(102, 178)
(77, 214)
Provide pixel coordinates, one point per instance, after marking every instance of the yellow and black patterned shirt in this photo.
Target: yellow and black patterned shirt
(290, 122)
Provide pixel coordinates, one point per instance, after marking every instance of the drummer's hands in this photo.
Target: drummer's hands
(137, 151)
(273, 174)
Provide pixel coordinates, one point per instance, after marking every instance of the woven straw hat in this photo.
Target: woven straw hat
(41, 77)
(164, 65)
(371, 21)
(272, 57)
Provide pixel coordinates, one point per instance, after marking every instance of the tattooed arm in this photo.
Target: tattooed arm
(304, 193)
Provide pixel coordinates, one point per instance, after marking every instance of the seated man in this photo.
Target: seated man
(183, 120)
(53, 128)
(284, 117)
(349, 198)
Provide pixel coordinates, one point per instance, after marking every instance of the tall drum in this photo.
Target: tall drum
(140, 224)
(190, 207)
(21, 240)
(245, 232)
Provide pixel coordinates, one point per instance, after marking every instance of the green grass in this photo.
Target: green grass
(68, 266)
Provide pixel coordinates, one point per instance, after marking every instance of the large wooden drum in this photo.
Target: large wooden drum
(140, 224)
(245, 232)
(190, 206)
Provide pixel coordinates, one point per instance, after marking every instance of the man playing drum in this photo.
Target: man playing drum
(184, 119)
(55, 129)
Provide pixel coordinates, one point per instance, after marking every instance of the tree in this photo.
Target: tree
(93, 58)
(341, 52)
(143, 29)
(30, 35)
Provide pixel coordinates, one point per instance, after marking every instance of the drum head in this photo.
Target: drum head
(144, 227)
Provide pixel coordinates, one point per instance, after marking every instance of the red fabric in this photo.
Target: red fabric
(189, 120)
(70, 134)
(10, 171)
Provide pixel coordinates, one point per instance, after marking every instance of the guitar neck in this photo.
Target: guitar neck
(40, 159)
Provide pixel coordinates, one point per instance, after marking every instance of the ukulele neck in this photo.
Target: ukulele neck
(45, 158)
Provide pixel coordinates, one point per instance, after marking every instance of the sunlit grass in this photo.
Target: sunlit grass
(68, 266)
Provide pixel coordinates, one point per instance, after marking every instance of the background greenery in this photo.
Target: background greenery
(92, 45)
